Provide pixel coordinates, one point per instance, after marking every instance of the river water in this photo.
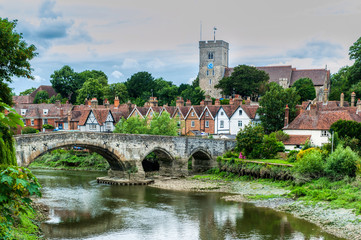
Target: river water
(82, 209)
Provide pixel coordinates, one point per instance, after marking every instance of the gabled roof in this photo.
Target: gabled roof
(228, 109)
(154, 110)
(99, 114)
(23, 99)
(211, 109)
(183, 110)
(37, 110)
(197, 109)
(318, 76)
(49, 89)
(169, 109)
(84, 117)
(277, 72)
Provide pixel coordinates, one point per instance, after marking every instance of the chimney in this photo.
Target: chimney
(313, 110)
(325, 96)
(106, 103)
(146, 104)
(208, 100)
(57, 103)
(231, 101)
(287, 115)
(89, 102)
(358, 106)
(237, 100)
(69, 120)
(217, 102)
(94, 102)
(179, 102)
(61, 112)
(353, 95)
(248, 101)
(85, 101)
(153, 102)
(201, 103)
(116, 102)
(342, 99)
(188, 103)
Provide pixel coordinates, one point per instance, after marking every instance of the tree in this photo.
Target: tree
(340, 83)
(27, 91)
(163, 125)
(272, 106)
(355, 51)
(245, 80)
(304, 87)
(91, 89)
(53, 99)
(116, 90)
(95, 74)
(15, 53)
(41, 97)
(132, 125)
(140, 85)
(66, 82)
(248, 138)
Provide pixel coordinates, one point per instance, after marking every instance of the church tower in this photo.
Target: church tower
(213, 60)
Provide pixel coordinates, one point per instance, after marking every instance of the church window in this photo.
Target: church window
(207, 73)
(210, 81)
(210, 55)
(213, 72)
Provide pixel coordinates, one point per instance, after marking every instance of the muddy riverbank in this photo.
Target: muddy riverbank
(343, 223)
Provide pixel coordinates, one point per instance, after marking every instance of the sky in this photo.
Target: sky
(123, 37)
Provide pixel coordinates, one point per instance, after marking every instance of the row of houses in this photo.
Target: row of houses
(206, 118)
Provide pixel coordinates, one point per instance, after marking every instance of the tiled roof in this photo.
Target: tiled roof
(142, 110)
(37, 110)
(101, 115)
(198, 109)
(170, 109)
(251, 110)
(23, 99)
(322, 119)
(84, 117)
(229, 109)
(184, 110)
(213, 110)
(49, 89)
(318, 76)
(277, 72)
(297, 139)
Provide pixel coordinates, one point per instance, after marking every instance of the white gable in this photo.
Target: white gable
(109, 118)
(91, 118)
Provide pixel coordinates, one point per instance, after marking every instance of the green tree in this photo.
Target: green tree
(272, 106)
(41, 97)
(132, 125)
(27, 91)
(163, 125)
(245, 80)
(66, 82)
(355, 51)
(304, 87)
(116, 89)
(91, 89)
(139, 85)
(248, 138)
(54, 98)
(195, 95)
(94, 74)
(15, 53)
(340, 84)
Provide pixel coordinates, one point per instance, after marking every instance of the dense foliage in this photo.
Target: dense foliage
(28, 130)
(273, 104)
(41, 97)
(244, 80)
(305, 89)
(158, 125)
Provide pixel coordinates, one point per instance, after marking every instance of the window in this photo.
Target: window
(24, 121)
(192, 114)
(207, 124)
(210, 55)
(92, 127)
(207, 73)
(240, 112)
(45, 111)
(108, 126)
(178, 124)
(32, 122)
(136, 114)
(324, 133)
(239, 123)
(222, 124)
(45, 121)
(207, 114)
(213, 72)
(222, 113)
(192, 124)
(23, 111)
(210, 81)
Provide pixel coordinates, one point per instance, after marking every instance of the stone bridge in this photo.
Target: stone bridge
(125, 152)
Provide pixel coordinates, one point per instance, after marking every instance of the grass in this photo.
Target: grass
(275, 161)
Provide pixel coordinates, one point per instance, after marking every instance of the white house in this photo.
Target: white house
(241, 117)
(221, 120)
(96, 120)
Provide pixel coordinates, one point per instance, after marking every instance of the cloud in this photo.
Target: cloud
(38, 79)
(117, 74)
(46, 10)
(155, 64)
(129, 63)
(317, 50)
(53, 28)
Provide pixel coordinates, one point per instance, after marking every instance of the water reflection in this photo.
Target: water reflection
(80, 208)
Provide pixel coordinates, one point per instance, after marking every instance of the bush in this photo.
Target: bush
(292, 155)
(48, 126)
(280, 135)
(310, 165)
(342, 162)
(302, 153)
(28, 130)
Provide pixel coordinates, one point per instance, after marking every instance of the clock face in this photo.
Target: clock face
(210, 65)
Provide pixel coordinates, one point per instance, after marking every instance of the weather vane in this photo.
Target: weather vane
(214, 29)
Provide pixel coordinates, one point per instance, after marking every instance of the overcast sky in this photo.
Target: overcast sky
(122, 37)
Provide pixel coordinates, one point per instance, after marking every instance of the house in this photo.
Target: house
(295, 142)
(316, 119)
(207, 119)
(221, 120)
(27, 99)
(192, 119)
(96, 120)
(242, 116)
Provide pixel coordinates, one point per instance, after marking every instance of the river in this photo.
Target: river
(82, 209)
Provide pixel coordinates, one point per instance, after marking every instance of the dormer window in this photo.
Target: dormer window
(192, 114)
(240, 112)
(23, 111)
(222, 113)
(45, 111)
(207, 114)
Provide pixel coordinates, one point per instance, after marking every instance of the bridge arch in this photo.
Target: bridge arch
(162, 163)
(201, 159)
(109, 155)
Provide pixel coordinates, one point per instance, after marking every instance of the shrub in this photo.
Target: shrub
(271, 146)
(310, 164)
(342, 162)
(48, 126)
(280, 135)
(28, 130)
(291, 156)
(302, 153)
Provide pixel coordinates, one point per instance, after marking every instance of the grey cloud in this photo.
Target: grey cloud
(46, 10)
(317, 50)
(53, 28)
